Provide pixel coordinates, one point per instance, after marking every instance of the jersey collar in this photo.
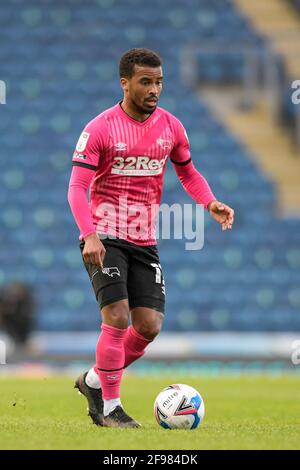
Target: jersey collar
(135, 121)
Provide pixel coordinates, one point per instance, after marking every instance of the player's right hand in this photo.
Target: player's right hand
(93, 251)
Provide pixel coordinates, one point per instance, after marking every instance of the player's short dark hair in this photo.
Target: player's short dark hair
(137, 56)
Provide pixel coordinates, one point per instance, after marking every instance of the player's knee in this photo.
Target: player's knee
(116, 314)
(149, 330)
(152, 333)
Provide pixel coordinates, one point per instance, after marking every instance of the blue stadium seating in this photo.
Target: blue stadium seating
(60, 66)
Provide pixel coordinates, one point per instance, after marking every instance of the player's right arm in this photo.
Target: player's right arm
(85, 162)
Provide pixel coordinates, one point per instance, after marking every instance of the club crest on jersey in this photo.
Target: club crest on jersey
(165, 144)
(83, 139)
(121, 146)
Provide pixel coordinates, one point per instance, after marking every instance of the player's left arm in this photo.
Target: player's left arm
(221, 213)
(195, 184)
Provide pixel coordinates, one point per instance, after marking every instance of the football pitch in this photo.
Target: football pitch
(245, 412)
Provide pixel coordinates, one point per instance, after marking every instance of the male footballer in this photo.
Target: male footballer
(121, 157)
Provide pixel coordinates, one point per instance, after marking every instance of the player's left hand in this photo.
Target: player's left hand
(222, 214)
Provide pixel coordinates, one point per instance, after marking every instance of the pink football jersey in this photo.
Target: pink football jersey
(129, 159)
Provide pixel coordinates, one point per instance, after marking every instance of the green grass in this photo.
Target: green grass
(241, 413)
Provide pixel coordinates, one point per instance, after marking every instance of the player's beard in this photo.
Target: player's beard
(142, 109)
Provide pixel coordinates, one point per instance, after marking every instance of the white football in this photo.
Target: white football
(179, 406)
